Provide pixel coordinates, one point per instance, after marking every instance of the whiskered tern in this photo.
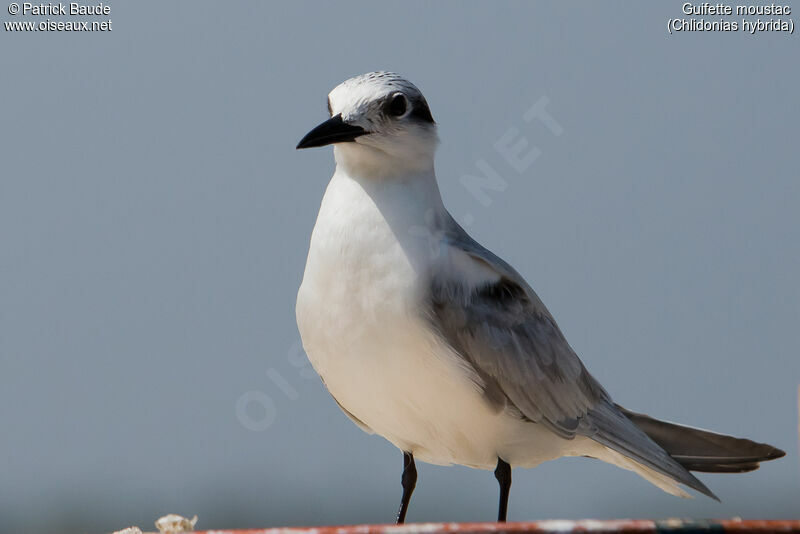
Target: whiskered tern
(427, 338)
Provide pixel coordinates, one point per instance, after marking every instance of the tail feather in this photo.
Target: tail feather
(610, 426)
(704, 451)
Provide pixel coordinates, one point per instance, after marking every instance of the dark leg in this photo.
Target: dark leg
(409, 481)
(503, 475)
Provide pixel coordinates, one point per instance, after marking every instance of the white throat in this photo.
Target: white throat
(380, 159)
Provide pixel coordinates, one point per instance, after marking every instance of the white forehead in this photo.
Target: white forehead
(351, 96)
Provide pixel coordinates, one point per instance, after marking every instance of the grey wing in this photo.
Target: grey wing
(503, 330)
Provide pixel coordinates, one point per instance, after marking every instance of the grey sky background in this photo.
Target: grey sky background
(155, 217)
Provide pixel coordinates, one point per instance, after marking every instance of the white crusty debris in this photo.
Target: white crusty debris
(175, 524)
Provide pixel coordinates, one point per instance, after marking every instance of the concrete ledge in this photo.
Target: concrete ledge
(627, 526)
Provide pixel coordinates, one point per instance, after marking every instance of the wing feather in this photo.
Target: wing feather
(507, 335)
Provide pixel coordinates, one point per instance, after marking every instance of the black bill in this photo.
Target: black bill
(333, 130)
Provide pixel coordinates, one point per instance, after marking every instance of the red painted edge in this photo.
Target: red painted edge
(627, 526)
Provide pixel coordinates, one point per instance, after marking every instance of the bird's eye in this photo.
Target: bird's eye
(398, 105)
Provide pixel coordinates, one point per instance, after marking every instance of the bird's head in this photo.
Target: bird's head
(380, 123)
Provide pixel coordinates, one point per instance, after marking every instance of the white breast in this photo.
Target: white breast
(360, 315)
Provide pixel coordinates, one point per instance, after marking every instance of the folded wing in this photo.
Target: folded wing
(503, 330)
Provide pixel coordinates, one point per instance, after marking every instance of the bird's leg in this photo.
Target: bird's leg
(409, 481)
(503, 475)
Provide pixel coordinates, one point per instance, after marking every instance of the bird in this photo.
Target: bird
(426, 338)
